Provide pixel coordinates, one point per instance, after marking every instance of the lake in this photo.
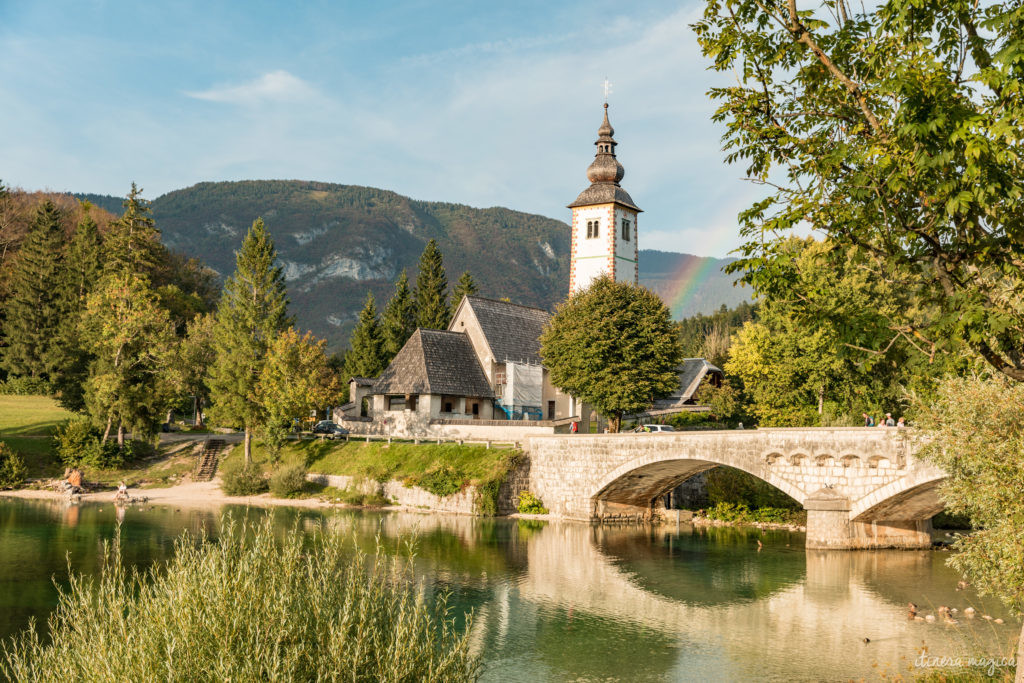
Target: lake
(557, 601)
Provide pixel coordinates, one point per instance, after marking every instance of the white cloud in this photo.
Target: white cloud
(274, 86)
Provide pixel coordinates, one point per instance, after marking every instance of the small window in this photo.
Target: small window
(476, 409)
(625, 229)
(592, 229)
(551, 410)
(447, 407)
(396, 402)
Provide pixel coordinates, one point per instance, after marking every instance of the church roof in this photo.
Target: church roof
(605, 172)
(435, 362)
(604, 193)
(512, 331)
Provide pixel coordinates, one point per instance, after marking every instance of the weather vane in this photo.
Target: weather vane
(607, 89)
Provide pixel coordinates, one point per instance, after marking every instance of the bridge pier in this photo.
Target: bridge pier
(829, 527)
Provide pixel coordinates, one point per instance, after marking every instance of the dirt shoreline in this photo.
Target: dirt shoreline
(191, 494)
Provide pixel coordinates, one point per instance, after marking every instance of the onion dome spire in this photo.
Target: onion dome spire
(605, 167)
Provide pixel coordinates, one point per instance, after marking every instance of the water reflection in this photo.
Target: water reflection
(565, 601)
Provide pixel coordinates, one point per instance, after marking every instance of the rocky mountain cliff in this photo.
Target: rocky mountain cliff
(336, 242)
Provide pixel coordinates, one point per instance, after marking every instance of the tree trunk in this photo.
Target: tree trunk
(120, 435)
(198, 407)
(247, 446)
(106, 432)
(614, 423)
(821, 401)
(1020, 658)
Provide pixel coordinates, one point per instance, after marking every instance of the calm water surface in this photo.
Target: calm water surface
(571, 602)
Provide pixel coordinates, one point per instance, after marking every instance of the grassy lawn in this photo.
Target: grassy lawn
(377, 460)
(30, 415)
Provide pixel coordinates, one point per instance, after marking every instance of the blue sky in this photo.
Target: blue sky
(486, 104)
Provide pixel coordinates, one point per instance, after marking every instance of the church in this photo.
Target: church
(483, 375)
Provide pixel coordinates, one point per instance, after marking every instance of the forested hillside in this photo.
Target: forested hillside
(337, 242)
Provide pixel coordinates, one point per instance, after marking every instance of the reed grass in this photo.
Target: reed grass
(248, 606)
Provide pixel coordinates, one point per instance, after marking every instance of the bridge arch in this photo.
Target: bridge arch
(914, 497)
(644, 478)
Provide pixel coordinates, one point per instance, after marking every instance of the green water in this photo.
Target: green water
(571, 602)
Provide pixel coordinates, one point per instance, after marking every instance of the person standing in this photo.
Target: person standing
(574, 427)
(889, 422)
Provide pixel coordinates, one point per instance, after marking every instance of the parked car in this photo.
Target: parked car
(331, 430)
(655, 429)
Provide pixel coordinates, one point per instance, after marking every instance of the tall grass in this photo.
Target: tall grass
(248, 607)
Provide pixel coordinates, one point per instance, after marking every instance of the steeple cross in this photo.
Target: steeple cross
(607, 90)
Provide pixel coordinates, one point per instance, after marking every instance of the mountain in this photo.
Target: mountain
(690, 284)
(336, 242)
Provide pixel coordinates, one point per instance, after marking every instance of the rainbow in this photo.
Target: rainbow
(687, 280)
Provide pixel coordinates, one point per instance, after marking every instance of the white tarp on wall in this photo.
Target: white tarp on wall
(523, 385)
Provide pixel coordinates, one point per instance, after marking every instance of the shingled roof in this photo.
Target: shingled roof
(512, 331)
(604, 193)
(435, 362)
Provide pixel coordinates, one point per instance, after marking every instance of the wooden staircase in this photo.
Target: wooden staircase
(208, 459)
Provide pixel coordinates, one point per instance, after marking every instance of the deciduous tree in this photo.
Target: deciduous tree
(895, 129)
(613, 346)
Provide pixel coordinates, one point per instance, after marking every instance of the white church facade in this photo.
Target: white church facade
(483, 376)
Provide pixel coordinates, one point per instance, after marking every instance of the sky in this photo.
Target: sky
(485, 104)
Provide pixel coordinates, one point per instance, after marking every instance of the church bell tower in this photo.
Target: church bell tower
(604, 226)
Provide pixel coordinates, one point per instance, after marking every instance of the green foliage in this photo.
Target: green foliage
(613, 346)
(729, 485)
(79, 444)
(25, 386)
(399, 320)
(463, 288)
(367, 357)
(975, 432)
(529, 504)
(12, 468)
(249, 607)
(253, 310)
(243, 479)
(288, 482)
(130, 335)
(725, 401)
(352, 496)
(740, 512)
(432, 310)
(34, 304)
(133, 243)
(708, 336)
(441, 480)
(894, 130)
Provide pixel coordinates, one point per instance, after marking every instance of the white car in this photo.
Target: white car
(655, 429)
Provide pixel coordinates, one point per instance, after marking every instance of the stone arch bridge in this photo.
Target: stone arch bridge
(861, 487)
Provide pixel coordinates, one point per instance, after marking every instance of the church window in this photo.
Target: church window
(592, 227)
(625, 229)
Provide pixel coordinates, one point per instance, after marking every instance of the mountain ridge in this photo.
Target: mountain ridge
(338, 242)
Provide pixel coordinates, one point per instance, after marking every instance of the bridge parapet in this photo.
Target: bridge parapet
(872, 471)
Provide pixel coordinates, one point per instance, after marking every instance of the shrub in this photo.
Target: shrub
(288, 481)
(249, 608)
(240, 479)
(79, 444)
(740, 512)
(26, 386)
(442, 480)
(530, 504)
(12, 468)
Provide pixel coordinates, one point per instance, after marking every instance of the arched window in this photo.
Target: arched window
(592, 227)
(625, 229)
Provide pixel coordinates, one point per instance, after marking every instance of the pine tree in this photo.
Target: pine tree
(34, 304)
(399, 319)
(432, 290)
(253, 310)
(366, 358)
(463, 288)
(133, 244)
(83, 268)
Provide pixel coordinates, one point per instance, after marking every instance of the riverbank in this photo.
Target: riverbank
(191, 494)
